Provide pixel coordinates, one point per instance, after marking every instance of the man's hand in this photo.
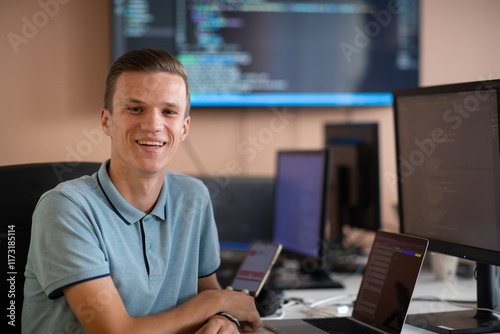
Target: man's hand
(238, 304)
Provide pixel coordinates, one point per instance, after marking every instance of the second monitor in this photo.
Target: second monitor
(354, 187)
(300, 212)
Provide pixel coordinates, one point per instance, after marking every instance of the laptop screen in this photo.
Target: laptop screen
(389, 279)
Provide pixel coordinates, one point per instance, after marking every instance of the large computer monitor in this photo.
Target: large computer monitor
(279, 52)
(354, 187)
(301, 206)
(448, 172)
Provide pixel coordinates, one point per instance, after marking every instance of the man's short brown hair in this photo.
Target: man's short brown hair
(144, 60)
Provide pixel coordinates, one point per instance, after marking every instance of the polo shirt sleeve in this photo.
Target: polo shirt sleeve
(209, 242)
(65, 246)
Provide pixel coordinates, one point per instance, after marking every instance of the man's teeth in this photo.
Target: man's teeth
(150, 143)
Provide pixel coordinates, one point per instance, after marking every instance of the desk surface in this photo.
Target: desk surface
(328, 302)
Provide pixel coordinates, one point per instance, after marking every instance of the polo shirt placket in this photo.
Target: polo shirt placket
(153, 258)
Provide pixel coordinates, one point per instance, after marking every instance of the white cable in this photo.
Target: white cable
(327, 300)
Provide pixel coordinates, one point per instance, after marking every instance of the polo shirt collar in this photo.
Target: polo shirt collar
(128, 213)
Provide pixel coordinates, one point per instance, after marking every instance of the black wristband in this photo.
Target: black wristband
(230, 317)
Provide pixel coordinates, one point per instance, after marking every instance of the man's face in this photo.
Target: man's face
(148, 121)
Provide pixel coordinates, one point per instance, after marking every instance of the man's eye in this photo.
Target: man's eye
(134, 109)
(169, 112)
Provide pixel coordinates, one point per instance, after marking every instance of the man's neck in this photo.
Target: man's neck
(140, 190)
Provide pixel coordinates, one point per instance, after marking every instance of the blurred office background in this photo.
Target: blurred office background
(52, 85)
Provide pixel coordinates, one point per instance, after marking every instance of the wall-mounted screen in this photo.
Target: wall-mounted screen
(279, 52)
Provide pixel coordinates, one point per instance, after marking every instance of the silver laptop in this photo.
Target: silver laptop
(384, 294)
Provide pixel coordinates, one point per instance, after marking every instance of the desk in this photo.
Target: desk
(427, 287)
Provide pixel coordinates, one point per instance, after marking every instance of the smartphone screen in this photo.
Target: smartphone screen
(255, 268)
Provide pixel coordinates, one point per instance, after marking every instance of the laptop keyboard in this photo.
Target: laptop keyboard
(340, 325)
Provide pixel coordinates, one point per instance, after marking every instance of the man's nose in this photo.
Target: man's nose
(152, 121)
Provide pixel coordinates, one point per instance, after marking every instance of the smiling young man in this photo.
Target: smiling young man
(132, 248)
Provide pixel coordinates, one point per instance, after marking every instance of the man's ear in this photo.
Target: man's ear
(185, 128)
(106, 121)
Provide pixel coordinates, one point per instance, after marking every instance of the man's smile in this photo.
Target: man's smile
(150, 143)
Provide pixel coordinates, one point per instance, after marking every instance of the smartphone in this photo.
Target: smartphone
(255, 268)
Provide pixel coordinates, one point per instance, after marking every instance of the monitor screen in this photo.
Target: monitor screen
(448, 154)
(354, 187)
(279, 52)
(300, 201)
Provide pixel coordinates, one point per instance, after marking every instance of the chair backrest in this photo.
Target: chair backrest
(20, 189)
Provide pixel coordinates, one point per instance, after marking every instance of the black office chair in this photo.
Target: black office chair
(20, 189)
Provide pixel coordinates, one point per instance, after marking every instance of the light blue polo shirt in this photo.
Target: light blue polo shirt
(84, 229)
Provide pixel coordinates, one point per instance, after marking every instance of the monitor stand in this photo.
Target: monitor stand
(481, 321)
(455, 322)
(318, 279)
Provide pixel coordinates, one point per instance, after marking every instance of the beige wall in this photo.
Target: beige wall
(54, 62)
(51, 80)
